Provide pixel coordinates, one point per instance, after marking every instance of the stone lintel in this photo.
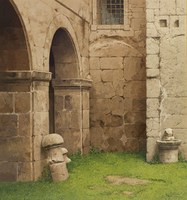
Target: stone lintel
(24, 76)
(73, 83)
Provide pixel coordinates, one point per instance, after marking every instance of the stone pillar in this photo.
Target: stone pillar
(40, 122)
(23, 120)
(72, 113)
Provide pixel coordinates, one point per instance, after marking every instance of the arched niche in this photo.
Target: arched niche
(13, 47)
(63, 60)
(63, 64)
(68, 94)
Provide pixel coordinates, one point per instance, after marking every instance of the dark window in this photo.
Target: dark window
(111, 12)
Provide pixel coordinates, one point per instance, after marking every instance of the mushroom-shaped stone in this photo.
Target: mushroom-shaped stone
(52, 140)
(57, 163)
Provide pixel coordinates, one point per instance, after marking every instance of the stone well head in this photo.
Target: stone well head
(168, 147)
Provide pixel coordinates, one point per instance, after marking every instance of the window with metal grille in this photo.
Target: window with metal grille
(110, 12)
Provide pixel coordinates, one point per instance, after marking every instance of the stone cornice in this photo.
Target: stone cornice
(24, 76)
(76, 83)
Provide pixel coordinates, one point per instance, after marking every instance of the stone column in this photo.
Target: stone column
(72, 113)
(23, 120)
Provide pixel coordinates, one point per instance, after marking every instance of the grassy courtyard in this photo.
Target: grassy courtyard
(88, 180)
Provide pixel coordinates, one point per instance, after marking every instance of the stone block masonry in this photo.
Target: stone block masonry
(118, 95)
(20, 137)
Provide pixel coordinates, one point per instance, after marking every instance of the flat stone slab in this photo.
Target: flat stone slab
(119, 180)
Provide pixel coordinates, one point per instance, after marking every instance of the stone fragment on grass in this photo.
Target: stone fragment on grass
(57, 156)
(119, 180)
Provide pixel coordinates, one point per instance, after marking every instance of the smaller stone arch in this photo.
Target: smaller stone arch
(68, 93)
(63, 60)
(60, 25)
(63, 64)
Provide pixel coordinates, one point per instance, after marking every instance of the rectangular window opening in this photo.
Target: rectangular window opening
(111, 12)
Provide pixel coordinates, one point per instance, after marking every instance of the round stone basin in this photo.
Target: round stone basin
(168, 150)
(169, 144)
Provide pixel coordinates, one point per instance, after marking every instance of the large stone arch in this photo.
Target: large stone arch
(15, 96)
(14, 46)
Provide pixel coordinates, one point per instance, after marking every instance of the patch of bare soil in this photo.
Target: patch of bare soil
(119, 180)
(127, 193)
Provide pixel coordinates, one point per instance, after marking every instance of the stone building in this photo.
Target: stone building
(105, 74)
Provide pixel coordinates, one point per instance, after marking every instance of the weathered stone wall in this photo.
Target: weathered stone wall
(15, 132)
(118, 95)
(20, 133)
(166, 72)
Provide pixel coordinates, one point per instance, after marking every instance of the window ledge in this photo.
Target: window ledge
(110, 27)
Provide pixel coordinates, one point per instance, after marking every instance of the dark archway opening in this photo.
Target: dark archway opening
(51, 95)
(13, 48)
(63, 64)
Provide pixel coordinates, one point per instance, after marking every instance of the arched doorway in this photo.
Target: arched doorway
(67, 89)
(63, 63)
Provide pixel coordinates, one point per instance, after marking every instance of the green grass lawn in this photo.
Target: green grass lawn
(88, 181)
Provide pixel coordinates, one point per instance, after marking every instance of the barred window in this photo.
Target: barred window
(110, 12)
